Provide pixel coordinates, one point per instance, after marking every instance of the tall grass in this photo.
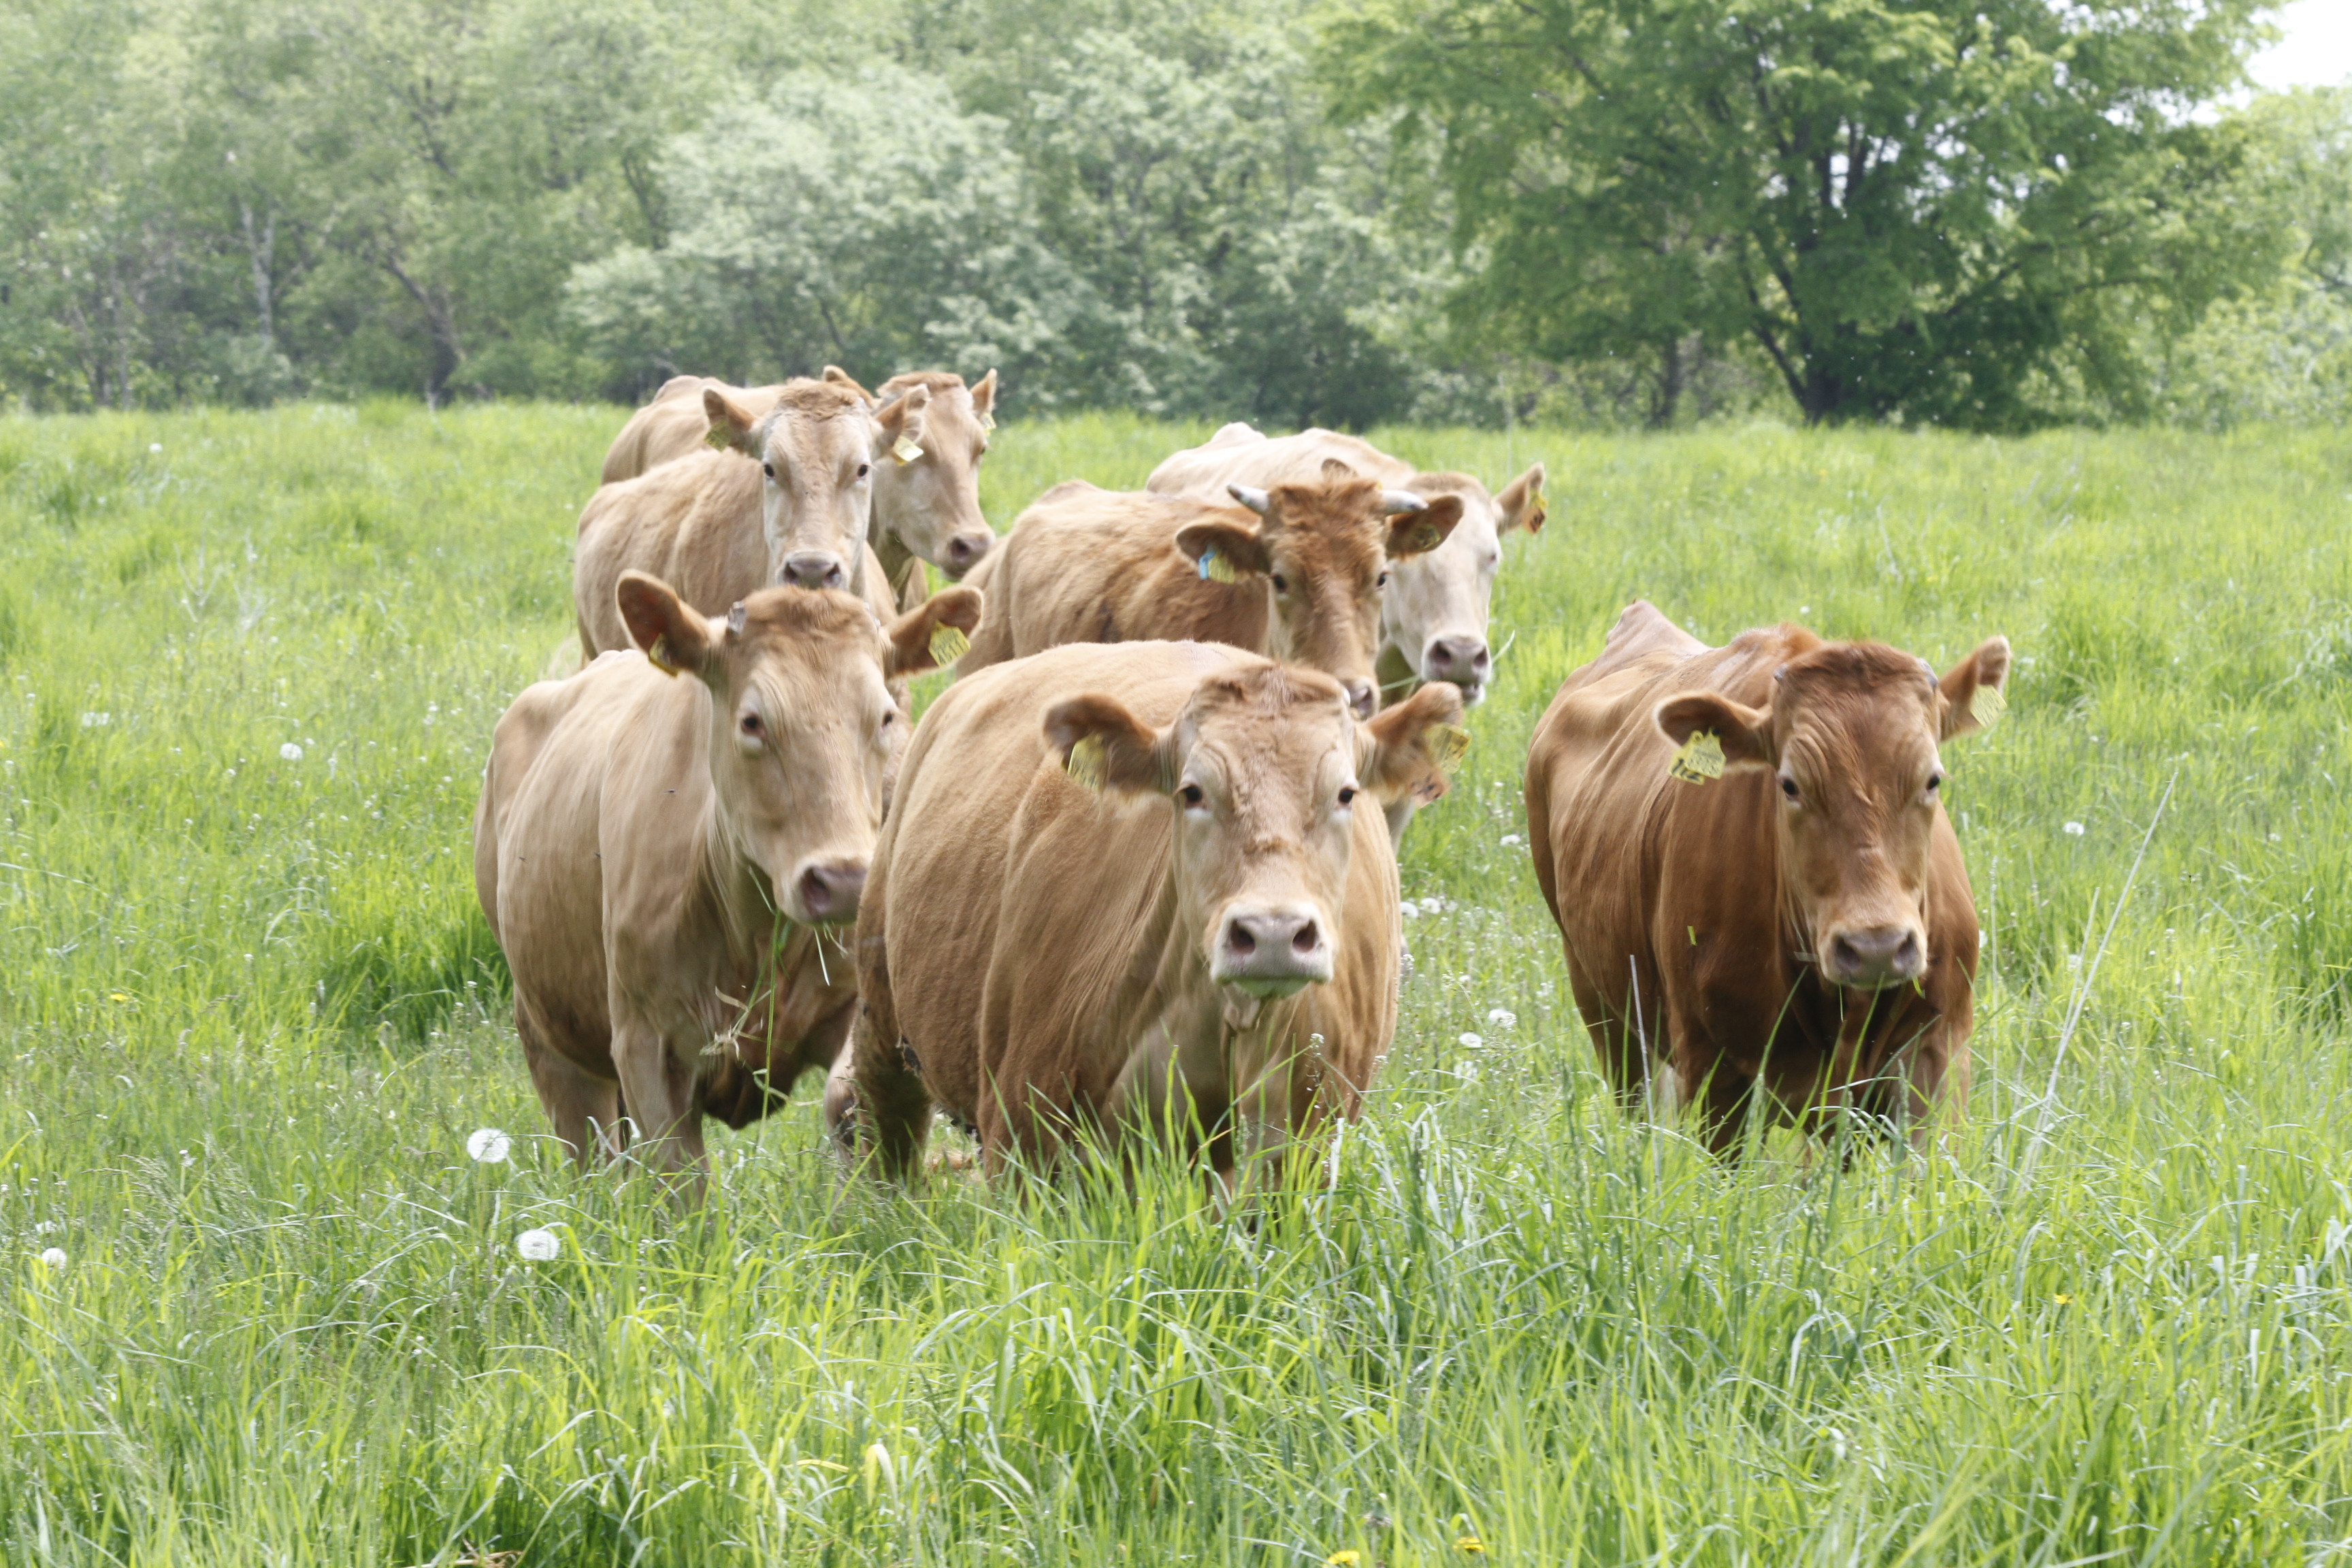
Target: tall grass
(250, 1014)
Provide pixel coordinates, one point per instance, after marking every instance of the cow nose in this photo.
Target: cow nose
(1874, 956)
(814, 569)
(1271, 952)
(1363, 697)
(964, 550)
(1462, 660)
(825, 893)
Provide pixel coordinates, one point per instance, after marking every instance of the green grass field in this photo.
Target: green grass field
(249, 667)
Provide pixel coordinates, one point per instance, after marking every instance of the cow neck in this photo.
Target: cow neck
(732, 887)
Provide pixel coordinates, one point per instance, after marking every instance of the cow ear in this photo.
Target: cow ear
(1105, 747)
(1407, 749)
(1522, 501)
(1419, 532)
(732, 426)
(1214, 541)
(899, 425)
(835, 376)
(674, 635)
(1972, 692)
(1745, 733)
(984, 398)
(935, 633)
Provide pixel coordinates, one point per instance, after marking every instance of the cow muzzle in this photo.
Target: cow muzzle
(1275, 951)
(825, 890)
(964, 552)
(814, 569)
(1870, 958)
(1460, 660)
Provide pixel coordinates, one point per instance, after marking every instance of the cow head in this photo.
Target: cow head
(802, 726)
(817, 449)
(930, 501)
(1437, 606)
(1321, 553)
(1264, 768)
(1851, 741)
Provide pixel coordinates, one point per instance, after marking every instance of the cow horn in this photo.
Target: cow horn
(1257, 501)
(736, 618)
(1395, 501)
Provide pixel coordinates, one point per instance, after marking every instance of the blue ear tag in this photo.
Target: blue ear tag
(1215, 568)
(1206, 556)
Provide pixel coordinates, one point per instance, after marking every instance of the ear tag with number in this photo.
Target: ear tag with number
(1215, 568)
(1084, 765)
(1700, 759)
(1446, 744)
(905, 450)
(949, 644)
(719, 436)
(1987, 705)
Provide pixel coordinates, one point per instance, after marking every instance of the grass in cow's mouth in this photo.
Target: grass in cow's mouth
(260, 1302)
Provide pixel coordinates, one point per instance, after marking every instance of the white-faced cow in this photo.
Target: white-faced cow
(1778, 914)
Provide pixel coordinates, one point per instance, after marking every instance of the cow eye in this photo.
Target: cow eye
(1193, 795)
(768, 470)
(1381, 580)
(1935, 781)
(862, 468)
(1281, 584)
(1789, 786)
(751, 726)
(1347, 795)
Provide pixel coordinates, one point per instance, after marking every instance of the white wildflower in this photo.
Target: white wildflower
(290, 752)
(2074, 829)
(96, 721)
(537, 1245)
(55, 1257)
(154, 447)
(1511, 841)
(46, 1227)
(1409, 909)
(489, 1145)
(1471, 1042)
(1502, 1017)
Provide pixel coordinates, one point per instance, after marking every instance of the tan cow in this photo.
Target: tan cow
(1137, 891)
(1434, 615)
(1295, 573)
(924, 508)
(640, 836)
(718, 528)
(1794, 934)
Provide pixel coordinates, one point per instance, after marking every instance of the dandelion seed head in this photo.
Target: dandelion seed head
(290, 752)
(537, 1245)
(1471, 1042)
(489, 1145)
(55, 1257)
(1502, 1017)
(2074, 829)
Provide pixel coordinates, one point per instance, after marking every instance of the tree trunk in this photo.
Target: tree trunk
(259, 252)
(1668, 392)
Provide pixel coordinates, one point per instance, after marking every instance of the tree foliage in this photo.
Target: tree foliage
(1964, 211)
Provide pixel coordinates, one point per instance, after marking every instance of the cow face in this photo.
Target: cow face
(1851, 741)
(1437, 607)
(816, 450)
(930, 501)
(1266, 769)
(802, 726)
(1321, 553)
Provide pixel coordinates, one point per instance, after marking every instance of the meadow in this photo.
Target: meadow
(249, 1017)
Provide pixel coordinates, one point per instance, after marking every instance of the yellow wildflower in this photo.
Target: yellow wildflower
(1470, 1545)
(1344, 1559)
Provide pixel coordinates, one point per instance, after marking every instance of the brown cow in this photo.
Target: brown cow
(1296, 572)
(718, 528)
(638, 836)
(1434, 615)
(925, 508)
(1800, 926)
(1209, 945)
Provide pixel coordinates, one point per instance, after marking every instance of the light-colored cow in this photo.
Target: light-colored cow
(925, 507)
(1435, 612)
(718, 528)
(665, 860)
(1294, 572)
(1142, 892)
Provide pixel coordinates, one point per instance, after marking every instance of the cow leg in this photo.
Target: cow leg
(887, 1094)
(660, 1088)
(1721, 1099)
(584, 1110)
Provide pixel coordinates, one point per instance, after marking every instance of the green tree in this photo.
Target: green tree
(1966, 211)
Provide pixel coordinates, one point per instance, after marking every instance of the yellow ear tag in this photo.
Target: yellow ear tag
(719, 436)
(1987, 705)
(658, 656)
(1215, 568)
(905, 450)
(1700, 759)
(1445, 744)
(988, 421)
(949, 644)
(1084, 765)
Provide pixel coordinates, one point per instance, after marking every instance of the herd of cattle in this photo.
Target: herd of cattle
(1124, 881)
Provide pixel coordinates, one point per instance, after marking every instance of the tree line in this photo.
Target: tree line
(1989, 214)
